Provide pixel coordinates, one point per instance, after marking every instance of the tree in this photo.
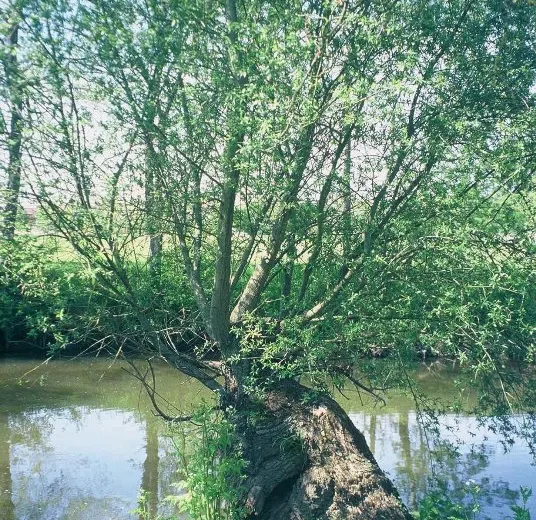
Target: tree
(307, 164)
(11, 123)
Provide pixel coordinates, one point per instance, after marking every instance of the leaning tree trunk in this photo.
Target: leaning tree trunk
(307, 460)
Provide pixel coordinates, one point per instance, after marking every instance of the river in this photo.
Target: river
(78, 440)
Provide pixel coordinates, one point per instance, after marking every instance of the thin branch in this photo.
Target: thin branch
(150, 388)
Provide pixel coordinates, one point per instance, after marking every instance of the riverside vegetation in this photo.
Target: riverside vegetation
(266, 193)
(213, 471)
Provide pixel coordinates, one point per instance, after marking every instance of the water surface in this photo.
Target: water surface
(78, 440)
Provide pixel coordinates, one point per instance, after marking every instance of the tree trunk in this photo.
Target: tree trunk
(153, 211)
(307, 460)
(14, 138)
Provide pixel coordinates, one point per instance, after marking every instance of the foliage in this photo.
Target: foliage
(37, 293)
(274, 189)
(51, 299)
(438, 505)
(211, 465)
(142, 509)
(521, 512)
(362, 179)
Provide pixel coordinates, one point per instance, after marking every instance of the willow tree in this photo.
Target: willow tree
(296, 158)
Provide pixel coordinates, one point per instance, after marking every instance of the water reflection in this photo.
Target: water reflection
(465, 453)
(149, 480)
(78, 442)
(6, 503)
(84, 466)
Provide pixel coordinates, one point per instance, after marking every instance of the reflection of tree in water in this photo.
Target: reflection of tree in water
(56, 500)
(414, 462)
(149, 480)
(80, 479)
(459, 472)
(43, 490)
(457, 468)
(32, 429)
(6, 503)
(160, 467)
(430, 461)
(169, 470)
(372, 433)
(46, 500)
(49, 467)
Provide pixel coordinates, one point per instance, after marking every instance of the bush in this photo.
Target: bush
(50, 299)
(38, 292)
(212, 467)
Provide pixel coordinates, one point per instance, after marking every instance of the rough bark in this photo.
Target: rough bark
(307, 460)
